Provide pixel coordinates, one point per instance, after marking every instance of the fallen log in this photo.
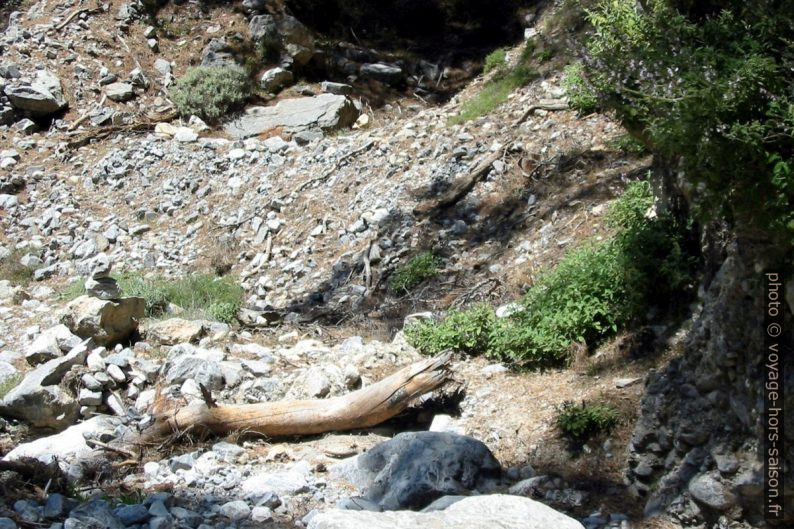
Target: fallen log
(364, 408)
(544, 104)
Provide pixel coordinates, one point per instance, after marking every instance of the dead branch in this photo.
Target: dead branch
(76, 13)
(364, 408)
(460, 187)
(543, 104)
(104, 132)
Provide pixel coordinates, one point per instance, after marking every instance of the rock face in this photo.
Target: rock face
(476, 512)
(323, 112)
(42, 97)
(415, 468)
(105, 321)
(700, 408)
(38, 399)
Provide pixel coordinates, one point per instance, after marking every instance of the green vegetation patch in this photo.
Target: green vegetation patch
(9, 383)
(418, 269)
(210, 92)
(591, 294)
(12, 270)
(580, 422)
(497, 89)
(580, 96)
(495, 59)
(199, 295)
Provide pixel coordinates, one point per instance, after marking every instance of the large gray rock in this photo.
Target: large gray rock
(415, 468)
(120, 92)
(324, 112)
(42, 97)
(275, 79)
(476, 512)
(173, 331)
(38, 399)
(708, 490)
(385, 73)
(50, 344)
(95, 514)
(203, 366)
(67, 446)
(105, 321)
(293, 39)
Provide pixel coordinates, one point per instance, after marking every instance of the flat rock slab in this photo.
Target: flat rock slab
(415, 468)
(477, 512)
(323, 112)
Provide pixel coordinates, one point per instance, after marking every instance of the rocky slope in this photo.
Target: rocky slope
(311, 222)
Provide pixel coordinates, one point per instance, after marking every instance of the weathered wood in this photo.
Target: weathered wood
(543, 104)
(459, 188)
(360, 409)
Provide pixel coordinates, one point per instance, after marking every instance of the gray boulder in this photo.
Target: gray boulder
(385, 73)
(120, 92)
(38, 399)
(476, 512)
(323, 112)
(41, 97)
(415, 468)
(95, 514)
(105, 321)
(66, 447)
(50, 344)
(275, 79)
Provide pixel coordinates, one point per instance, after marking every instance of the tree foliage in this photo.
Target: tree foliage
(712, 85)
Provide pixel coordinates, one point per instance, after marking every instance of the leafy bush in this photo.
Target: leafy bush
(627, 144)
(580, 96)
(210, 92)
(466, 331)
(593, 292)
(420, 268)
(583, 421)
(709, 85)
(494, 60)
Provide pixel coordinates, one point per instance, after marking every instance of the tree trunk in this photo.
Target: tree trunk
(360, 409)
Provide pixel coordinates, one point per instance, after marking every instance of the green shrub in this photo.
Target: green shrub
(495, 59)
(583, 421)
(627, 144)
(224, 311)
(9, 383)
(466, 331)
(210, 92)
(593, 292)
(580, 96)
(420, 268)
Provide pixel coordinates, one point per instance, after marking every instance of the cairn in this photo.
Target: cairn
(100, 284)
